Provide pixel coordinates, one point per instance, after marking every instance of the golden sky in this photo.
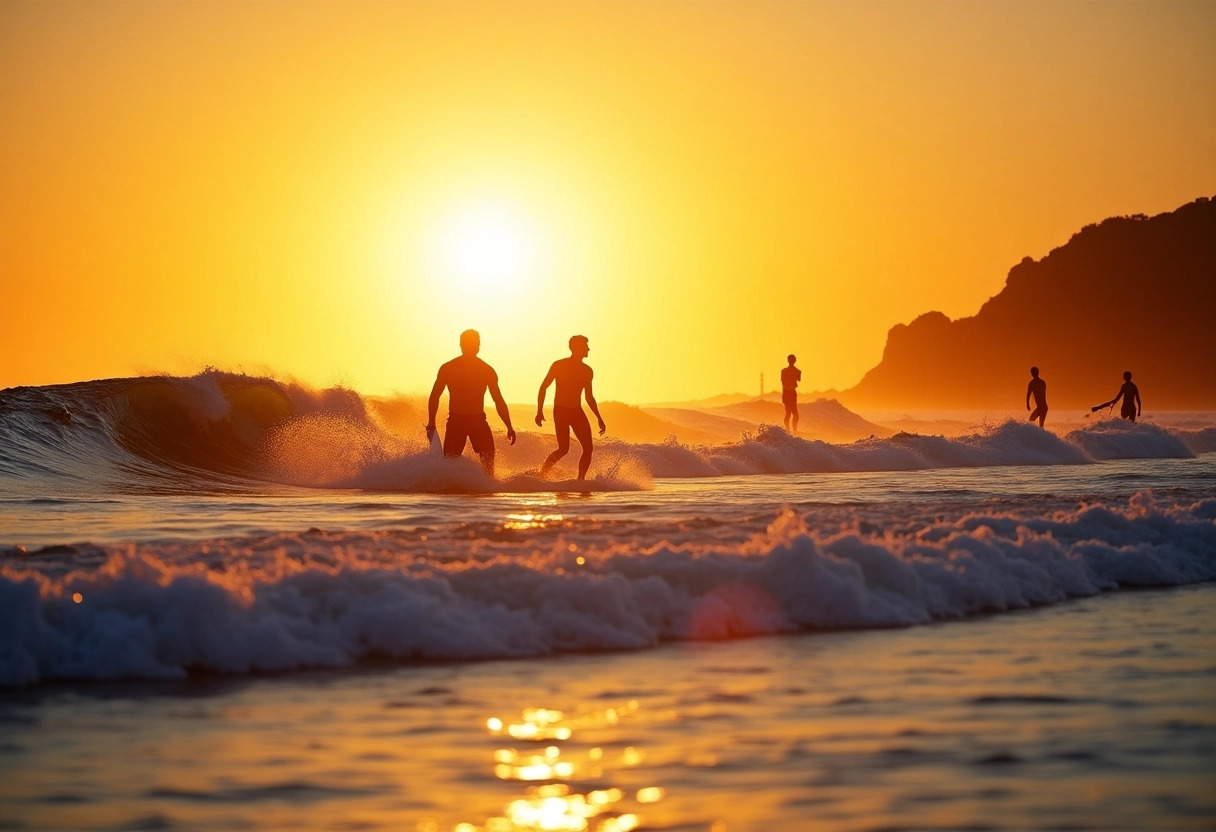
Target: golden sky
(332, 191)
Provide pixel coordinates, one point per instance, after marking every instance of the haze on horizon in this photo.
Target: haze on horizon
(333, 191)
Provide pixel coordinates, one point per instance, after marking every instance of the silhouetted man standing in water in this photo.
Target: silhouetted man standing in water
(467, 379)
(790, 376)
(1038, 389)
(1130, 394)
(573, 377)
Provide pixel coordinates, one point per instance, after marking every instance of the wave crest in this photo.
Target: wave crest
(333, 600)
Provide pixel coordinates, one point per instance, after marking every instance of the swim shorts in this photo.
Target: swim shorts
(567, 418)
(470, 426)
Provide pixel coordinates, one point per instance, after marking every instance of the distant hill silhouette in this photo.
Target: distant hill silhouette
(1130, 293)
(825, 419)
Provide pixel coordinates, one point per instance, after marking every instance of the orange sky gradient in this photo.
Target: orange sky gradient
(700, 188)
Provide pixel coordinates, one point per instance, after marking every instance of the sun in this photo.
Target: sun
(487, 246)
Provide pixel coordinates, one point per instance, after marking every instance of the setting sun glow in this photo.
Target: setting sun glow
(701, 189)
(487, 247)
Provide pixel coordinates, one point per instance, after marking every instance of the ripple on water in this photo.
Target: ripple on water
(999, 758)
(146, 823)
(63, 799)
(1026, 699)
(295, 791)
(850, 700)
(1078, 755)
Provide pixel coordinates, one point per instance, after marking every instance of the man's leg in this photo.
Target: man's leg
(582, 432)
(562, 428)
(483, 444)
(454, 435)
(794, 409)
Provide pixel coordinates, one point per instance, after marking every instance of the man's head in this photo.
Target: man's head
(1127, 375)
(470, 342)
(579, 346)
(791, 358)
(1034, 371)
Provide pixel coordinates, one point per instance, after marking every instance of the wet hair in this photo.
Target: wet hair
(469, 339)
(1034, 371)
(790, 358)
(574, 338)
(1127, 375)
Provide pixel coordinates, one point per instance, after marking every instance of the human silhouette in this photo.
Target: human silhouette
(573, 379)
(1130, 394)
(790, 376)
(467, 378)
(1037, 388)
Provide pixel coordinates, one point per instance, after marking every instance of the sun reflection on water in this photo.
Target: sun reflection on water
(560, 805)
(523, 521)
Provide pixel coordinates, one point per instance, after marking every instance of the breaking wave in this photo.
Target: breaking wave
(332, 600)
(219, 432)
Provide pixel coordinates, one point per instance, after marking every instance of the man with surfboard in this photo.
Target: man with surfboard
(1130, 394)
(467, 378)
(573, 379)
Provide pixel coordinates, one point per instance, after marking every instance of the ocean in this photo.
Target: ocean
(234, 603)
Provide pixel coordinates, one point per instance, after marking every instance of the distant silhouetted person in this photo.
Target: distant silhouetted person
(1037, 388)
(573, 379)
(1130, 394)
(790, 376)
(467, 378)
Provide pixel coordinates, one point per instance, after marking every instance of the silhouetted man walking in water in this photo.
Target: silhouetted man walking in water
(1037, 388)
(790, 376)
(573, 377)
(1130, 394)
(467, 379)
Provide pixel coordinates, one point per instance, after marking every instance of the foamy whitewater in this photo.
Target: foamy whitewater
(230, 602)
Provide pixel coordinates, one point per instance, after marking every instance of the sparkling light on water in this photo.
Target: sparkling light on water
(561, 806)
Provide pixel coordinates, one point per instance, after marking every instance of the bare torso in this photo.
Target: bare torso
(790, 376)
(1038, 389)
(572, 377)
(467, 379)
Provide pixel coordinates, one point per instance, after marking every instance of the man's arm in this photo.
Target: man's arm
(1028, 389)
(432, 405)
(1138, 401)
(540, 397)
(595, 408)
(501, 407)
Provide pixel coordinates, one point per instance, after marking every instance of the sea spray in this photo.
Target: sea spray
(286, 601)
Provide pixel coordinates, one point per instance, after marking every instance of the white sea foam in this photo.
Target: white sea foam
(332, 600)
(773, 451)
(1120, 439)
(619, 465)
